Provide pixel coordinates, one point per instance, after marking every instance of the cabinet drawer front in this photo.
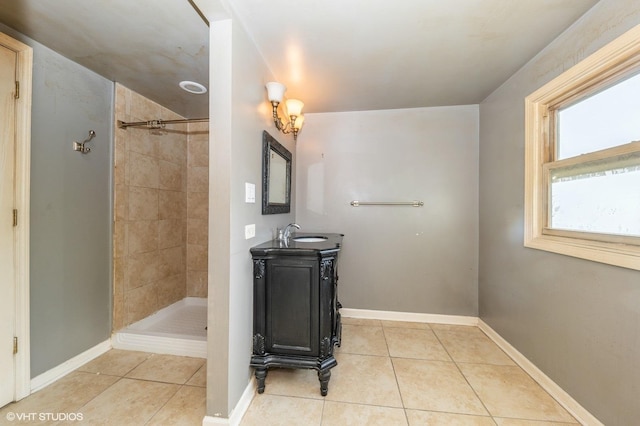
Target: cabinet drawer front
(292, 307)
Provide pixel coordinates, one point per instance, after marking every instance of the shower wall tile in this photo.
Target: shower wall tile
(120, 158)
(199, 128)
(197, 209)
(119, 239)
(143, 109)
(119, 317)
(171, 176)
(119, 270)
(172, 261)
(198, 205)
(198, 179)
(142, 269)
(143, 236)
(198, 231)
(173, 148)
(143, 170)
(197, 283)
(171, 233)
(141, 302)
(118, 293)
(143, 204)
(143, 142)
(197, 257)
(171, 290)
(120, 195)
(121, 104)
(199, 152)
(152, 177)
(172, 205)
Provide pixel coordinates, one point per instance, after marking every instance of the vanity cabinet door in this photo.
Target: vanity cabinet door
(292, 306)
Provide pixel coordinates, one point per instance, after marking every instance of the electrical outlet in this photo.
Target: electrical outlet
(249, 231)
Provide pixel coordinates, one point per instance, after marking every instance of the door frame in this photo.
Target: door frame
(24, 74)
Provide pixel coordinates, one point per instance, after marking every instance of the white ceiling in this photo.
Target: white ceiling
(345, 55)
(335, 55)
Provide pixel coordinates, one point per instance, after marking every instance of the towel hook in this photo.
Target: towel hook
(79, 146)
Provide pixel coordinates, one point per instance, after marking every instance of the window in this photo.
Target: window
(582, 165)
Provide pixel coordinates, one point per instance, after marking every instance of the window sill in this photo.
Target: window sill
(623, 255)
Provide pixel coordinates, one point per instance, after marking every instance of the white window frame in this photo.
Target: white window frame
(611, 63)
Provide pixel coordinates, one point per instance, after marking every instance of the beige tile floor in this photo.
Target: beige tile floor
(120, 388)
(388, 373)
(399, 373)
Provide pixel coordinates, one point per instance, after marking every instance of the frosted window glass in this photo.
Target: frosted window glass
(607, 119)
(605, 202)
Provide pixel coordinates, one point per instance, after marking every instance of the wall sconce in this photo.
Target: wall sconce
(275, 91)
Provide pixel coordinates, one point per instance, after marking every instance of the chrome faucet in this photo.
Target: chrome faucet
(287, 231)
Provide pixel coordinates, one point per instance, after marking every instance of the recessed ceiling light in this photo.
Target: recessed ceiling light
(193, 87)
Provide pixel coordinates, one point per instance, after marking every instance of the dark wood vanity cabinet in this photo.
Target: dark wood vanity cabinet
(295, 306)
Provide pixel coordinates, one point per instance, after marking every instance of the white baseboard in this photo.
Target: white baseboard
(68, 366)
(243, 405)
(211, 420)
(238, 412)
(408, 316)
(563, 398)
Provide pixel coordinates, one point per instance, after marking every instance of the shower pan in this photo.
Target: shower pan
(178, 329)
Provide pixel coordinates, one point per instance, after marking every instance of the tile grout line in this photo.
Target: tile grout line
(515, 364)
(96, 396)
(324, 404)
(463, 376)
(165, 403)
(395, 376)
(120, 378)
(124, 376)
(196, 372)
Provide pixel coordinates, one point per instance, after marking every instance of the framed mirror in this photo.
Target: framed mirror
(276, 176)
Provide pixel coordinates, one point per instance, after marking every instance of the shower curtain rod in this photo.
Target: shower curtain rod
(158, 124)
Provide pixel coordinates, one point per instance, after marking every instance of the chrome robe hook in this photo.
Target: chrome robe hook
(79, 146)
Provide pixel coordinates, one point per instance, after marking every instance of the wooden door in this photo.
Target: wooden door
(8, 62)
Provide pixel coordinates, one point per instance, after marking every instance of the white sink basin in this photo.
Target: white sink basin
(309, 239)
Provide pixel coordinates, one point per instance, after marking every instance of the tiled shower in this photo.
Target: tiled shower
(160, 210)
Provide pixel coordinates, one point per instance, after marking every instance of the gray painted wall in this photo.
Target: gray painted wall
(578, 321)
(406, 259)
(239, 113)
(70, 256)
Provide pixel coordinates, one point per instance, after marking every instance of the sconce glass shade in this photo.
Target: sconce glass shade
(299, 121)
(275, 91)
(294, 107)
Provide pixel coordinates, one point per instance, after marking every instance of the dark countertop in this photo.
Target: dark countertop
(294, 248)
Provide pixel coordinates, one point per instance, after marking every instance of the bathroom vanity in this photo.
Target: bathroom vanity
(296, 318)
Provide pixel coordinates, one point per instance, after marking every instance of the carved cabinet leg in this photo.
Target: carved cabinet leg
(324, 376)
(261, 374)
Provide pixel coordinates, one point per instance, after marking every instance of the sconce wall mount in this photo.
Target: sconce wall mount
(293, 121)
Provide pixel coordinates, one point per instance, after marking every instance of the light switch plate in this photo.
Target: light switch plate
(249, 231)
(250, 192)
